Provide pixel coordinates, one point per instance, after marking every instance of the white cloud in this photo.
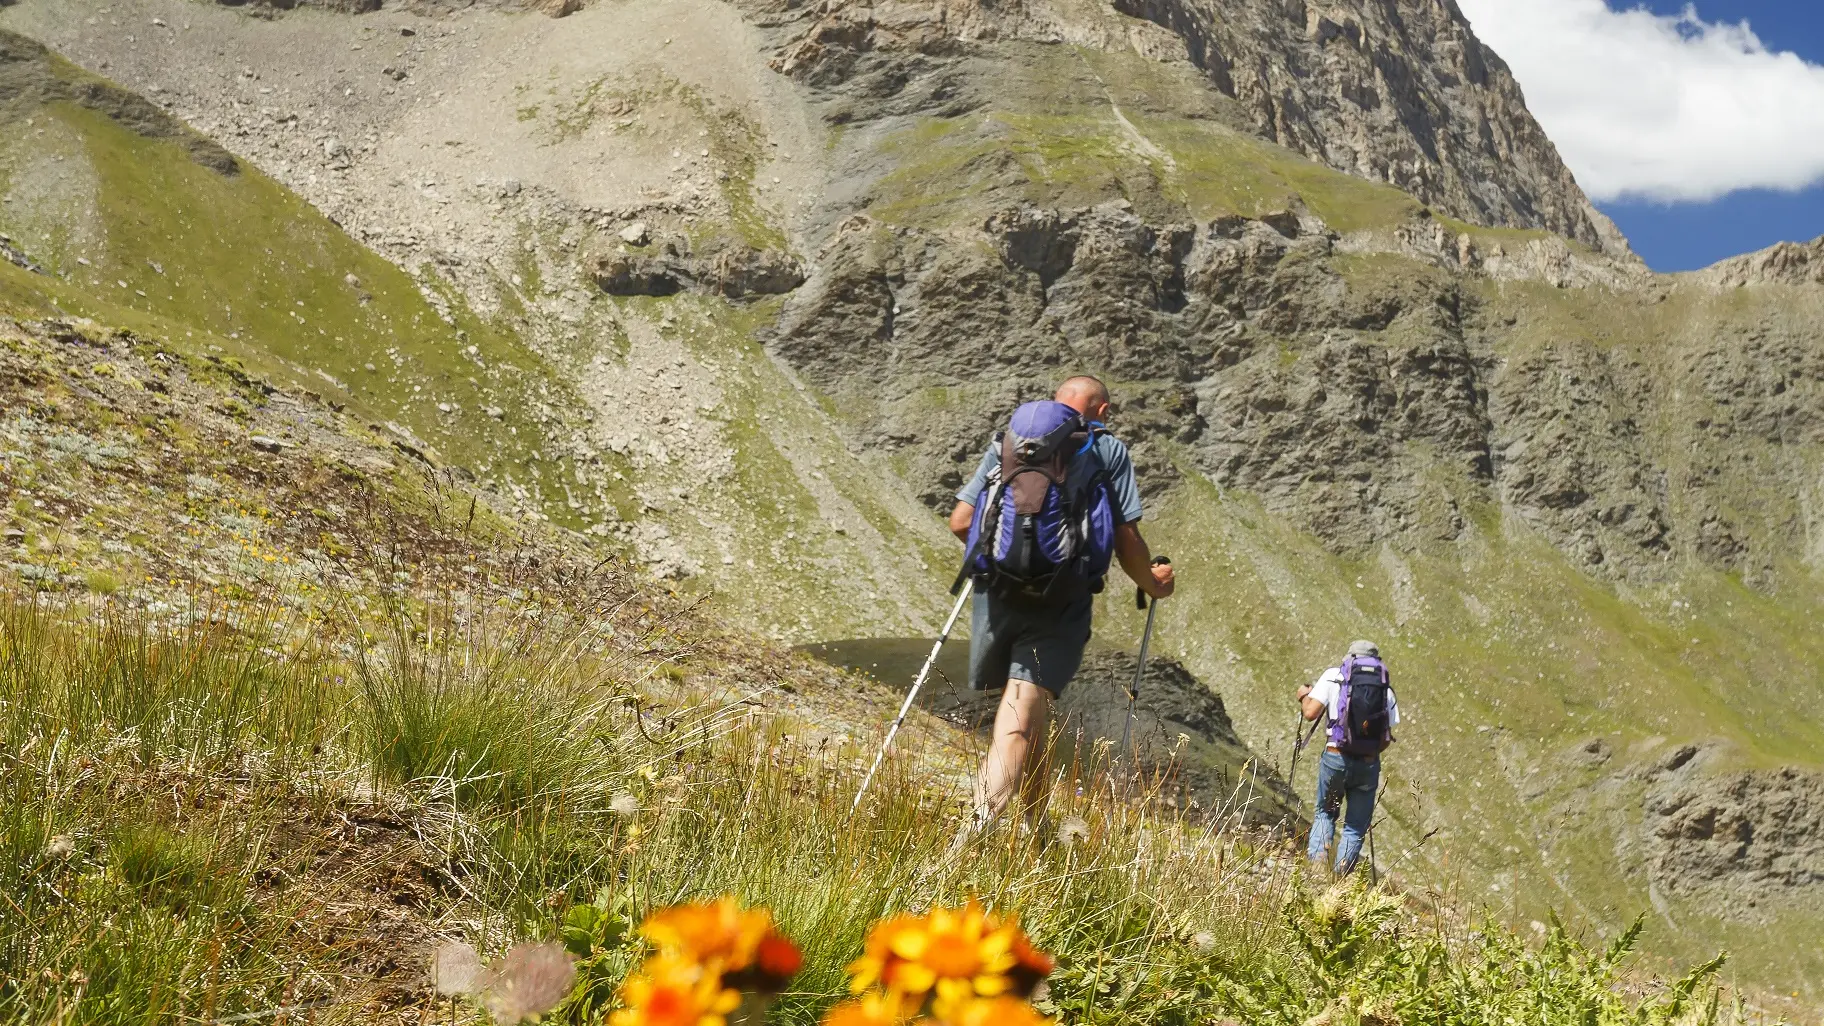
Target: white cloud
(1647, 106)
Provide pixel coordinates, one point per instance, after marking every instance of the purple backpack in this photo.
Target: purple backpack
(1364, 722)
(1038, 533)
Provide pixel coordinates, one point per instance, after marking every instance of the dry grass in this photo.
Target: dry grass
(215, 819)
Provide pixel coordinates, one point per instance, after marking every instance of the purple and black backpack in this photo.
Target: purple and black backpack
(1364, 723)
(1038, 533)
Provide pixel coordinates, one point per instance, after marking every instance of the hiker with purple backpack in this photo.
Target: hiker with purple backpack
(1357, 697)
(1053, 502)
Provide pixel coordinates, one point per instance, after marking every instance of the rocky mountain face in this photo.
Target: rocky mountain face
(744, 288)
(1391, 90)
(1269, 360)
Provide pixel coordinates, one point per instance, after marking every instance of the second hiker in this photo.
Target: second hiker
(1357, 697)
(1053, 500)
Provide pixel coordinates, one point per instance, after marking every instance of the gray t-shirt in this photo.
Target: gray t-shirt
(1123, 490)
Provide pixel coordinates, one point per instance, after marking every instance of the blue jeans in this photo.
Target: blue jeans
(1344, 776)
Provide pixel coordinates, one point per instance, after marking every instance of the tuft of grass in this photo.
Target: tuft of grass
(488, 720)
(166, 868)
(190, 695)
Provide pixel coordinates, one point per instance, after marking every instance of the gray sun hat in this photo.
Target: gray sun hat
(1364, 650)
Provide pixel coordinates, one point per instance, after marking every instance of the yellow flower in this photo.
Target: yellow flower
(877, 960)
(875, 1009)
(672, 991)
(997, 1011)
(959, 953)
(719, 932)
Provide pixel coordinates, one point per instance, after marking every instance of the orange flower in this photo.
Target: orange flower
(958, 953)
(776, 961)
(719, 932)
(1031, 965)
(875, 1009)
(996, 1011)
(671, 991)
(778, 957)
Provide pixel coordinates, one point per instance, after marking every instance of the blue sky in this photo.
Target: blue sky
(1700, 139)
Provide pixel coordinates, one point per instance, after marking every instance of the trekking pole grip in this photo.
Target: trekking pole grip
(1140, 593)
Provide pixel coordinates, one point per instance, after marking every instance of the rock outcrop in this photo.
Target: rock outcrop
(1394, 90)
(339, 6)
(1785, 263)
(729, 270)
(1737, 839)
(1275, 364)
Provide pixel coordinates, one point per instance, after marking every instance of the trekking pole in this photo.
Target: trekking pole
(1146, 641)
(1374, 871)
(1299, 741)
(930, 661)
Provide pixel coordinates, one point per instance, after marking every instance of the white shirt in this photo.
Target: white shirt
(1328, 689)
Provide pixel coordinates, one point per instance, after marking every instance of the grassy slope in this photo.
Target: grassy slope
(240, 263)
(209, 833)
(1509, 661)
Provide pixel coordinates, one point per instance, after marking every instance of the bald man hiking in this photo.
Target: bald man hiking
(1053, 500)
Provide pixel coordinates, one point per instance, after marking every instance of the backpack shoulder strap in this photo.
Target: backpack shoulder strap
(988, 516)
(1099, 477)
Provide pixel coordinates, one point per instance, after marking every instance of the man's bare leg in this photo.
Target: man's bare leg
(1016, 756)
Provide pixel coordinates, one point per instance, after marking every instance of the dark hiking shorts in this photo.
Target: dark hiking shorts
(1013, 640)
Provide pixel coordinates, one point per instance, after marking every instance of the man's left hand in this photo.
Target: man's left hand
(1164, 581)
